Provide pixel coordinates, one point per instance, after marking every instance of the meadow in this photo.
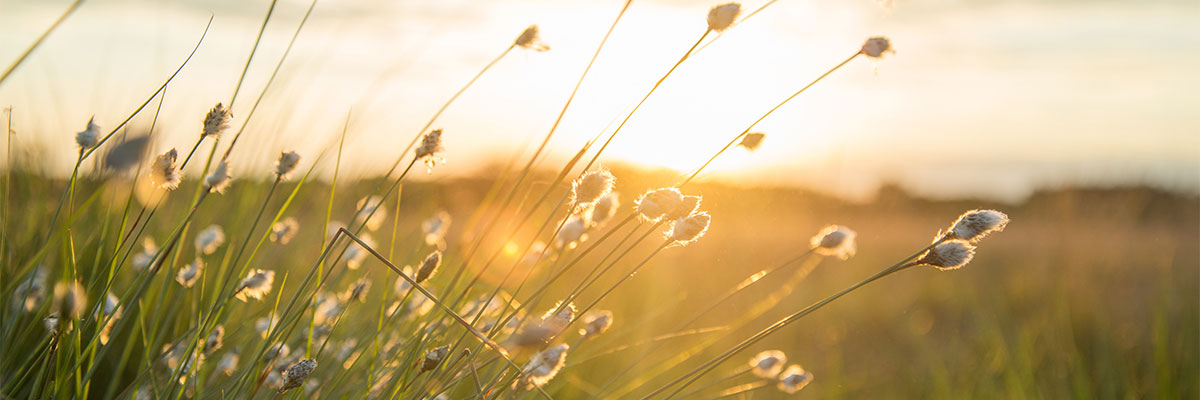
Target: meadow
(151, 275)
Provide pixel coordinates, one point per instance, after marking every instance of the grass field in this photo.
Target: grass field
(1090, 293)
(159, 269)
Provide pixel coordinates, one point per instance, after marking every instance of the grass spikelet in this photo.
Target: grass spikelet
(834, 241)
(435, 228)
(752, 141)
(591, 187)
(658, 203)
(793, 379)
(768, 363)
(256, 285)
(89, 137)
(596, 323)
(431, 151)
(219, 179)
(429, 266)
(286, 163)
(721, 17)
(216, 121)
(190, 273)
(542, 367)
(531, 39)
(283, 231)
(876, 47)
(689, 229)
(210, 239)
(164, 173)
(295, 375)
(977, 224)
(948, 255)
(70, 300)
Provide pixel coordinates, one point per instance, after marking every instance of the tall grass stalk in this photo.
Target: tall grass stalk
(38, 42)
(764, 305)
(764, 116)
(698, 372)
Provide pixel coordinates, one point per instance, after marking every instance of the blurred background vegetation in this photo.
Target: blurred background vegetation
(1089, 293)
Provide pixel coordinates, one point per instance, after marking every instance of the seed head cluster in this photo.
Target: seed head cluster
(216, 121)
(834, 241)
(531, 39)
(721, 17)
(164, 174)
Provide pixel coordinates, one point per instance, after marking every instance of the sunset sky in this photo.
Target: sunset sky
(982, 98)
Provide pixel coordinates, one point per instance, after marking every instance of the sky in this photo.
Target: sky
(992, 99)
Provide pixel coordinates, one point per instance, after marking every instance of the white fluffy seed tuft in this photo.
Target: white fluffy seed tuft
(977, 224)
(834, 240)
(286, 163)
(768, 364)
(218, 180)
(257, 284)
(689, 229)
(216, 120)
(948, 255)
(164, 174)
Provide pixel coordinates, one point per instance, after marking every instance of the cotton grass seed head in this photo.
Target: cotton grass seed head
(434, 357)
(88, 138)
(435, 228)
(430, 151)
(688, 206)
(875, 47)
(112, 310)
(263, 325)
(835, 241)
(595, 323)
(605, 208)
(371, 210)
(283, 231)
(189, 274)
(219, 179)
(543, 366)
(287, 163)
(948, 255)
(164, 174)
(752, 140)
(216, 121)
(573, 232)
(657, 203)
(977, 224)
(256, 285)
(51, 323)
(296, 374)
(793, 379)
(228, 363)
(721, 17)
(429, 266)
(559, 316)
(357, 291)
(209, 239)
(531, 39)
(768, 364)
(214, 340)
(592, 186)
(143, 259)
(689, 229)
(70, 300)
